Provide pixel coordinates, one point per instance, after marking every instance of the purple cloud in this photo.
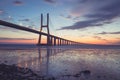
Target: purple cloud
(116, 43)
(83, 24)
(18, 3)
(99, 38)
(96, 15)
(1, 11)
(66, 17)
(50, 1)
(4, 38)
(24, 20)
(109, 32)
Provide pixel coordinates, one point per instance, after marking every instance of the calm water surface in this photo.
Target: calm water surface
(103, 64)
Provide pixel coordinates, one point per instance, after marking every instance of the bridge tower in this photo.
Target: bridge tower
(41, 28)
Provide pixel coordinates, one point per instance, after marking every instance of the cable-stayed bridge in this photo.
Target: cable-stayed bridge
(52, 40)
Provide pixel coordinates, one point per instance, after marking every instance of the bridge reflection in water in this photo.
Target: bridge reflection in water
(41, 63)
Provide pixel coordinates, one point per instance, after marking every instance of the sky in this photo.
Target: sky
(84, 21)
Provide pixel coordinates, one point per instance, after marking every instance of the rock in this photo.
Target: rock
(12, 72)
(86, 73)
(98, 76)
(76, 75)
(5, 61)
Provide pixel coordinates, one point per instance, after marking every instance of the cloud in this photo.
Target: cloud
(69, 17)
(50, 1)
(66, 17)
(7, 18)
(3, 28)
(116, 43)
(109, 32)
(1, 11)
(24, 20)
(107, 13)
(82, 24)
(4, 38)
(18, 3)
(99, 38)
(118, 38)
(95, 15)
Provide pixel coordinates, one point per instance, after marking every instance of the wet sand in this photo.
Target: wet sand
(60, 64)
(13, 72)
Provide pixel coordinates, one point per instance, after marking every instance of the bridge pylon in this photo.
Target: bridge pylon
(41, 28)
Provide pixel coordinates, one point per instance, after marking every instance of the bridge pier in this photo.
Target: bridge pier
(48, 40)
(67, 42)
(63, 42)
(51, 40)
(60, 42)
(54, 41)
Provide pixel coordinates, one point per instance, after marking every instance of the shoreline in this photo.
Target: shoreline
(13, 72)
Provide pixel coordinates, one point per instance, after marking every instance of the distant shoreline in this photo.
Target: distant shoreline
(27, 46)
(44, 44)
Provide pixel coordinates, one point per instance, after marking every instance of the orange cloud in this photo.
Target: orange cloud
(18, 41)
(21, 40)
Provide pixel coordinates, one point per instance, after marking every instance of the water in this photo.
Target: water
(65, 62)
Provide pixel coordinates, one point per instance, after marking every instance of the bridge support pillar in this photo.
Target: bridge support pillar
(48, 41)
(67, 42)
(60, 41)
(54, 41)
(51, 40)
(44, 26)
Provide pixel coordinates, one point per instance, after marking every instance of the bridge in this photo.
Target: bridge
(52, 40)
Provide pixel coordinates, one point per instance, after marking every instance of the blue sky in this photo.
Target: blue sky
(86, 21)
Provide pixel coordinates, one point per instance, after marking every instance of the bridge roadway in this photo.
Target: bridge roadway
(53, 39)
